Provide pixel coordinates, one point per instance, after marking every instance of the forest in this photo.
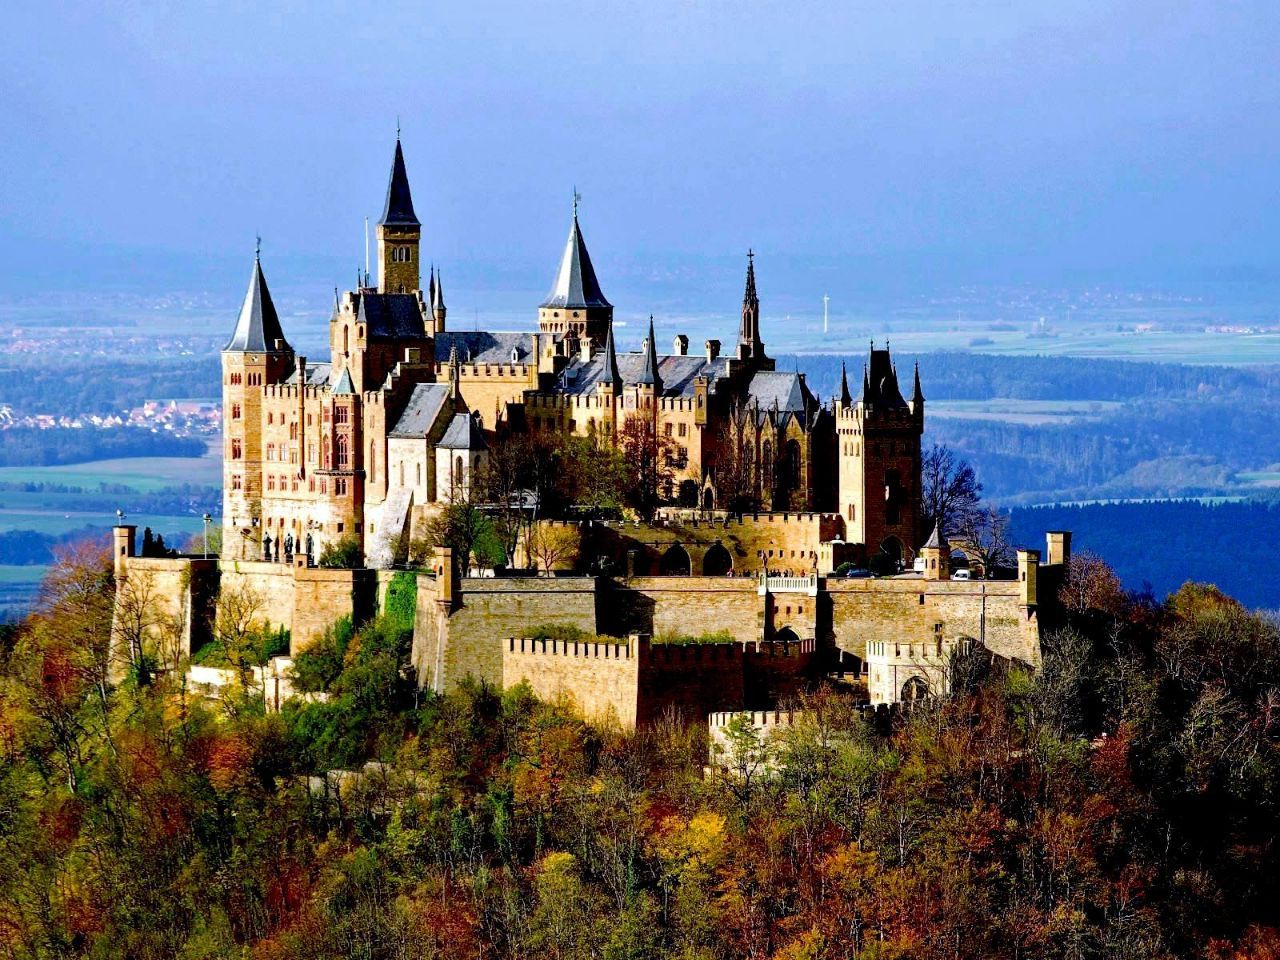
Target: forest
(1119, 802)
(33, 447)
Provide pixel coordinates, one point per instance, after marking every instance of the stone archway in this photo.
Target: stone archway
(676, 562)
(718, 562)
(708, 499)
(915, 690)
(786, 635)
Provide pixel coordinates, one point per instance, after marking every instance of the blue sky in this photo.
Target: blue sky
(867, 142)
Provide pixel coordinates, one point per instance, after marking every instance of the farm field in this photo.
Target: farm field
(1032, 412)
(144, 474)
(18, 586)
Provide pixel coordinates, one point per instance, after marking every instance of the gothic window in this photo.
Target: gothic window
(235, 411)
(237, 482)
(339, 414)
(344, 456)
(293, 431)
(271, 482)
(271, 451)
(766, 466)
(237, 451)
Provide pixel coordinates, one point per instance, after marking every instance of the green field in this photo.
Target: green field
(144, 474)
(18, 586)
(1033, 412)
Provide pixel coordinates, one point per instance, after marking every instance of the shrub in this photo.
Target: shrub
(341, 554)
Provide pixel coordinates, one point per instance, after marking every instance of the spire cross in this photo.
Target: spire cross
(397, 126)
(577, 197)
(751, 254)
(257, 247)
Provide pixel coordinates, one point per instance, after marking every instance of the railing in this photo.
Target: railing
(808, 584)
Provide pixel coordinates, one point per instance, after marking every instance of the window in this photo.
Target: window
(235, 411)
(684, 430)
(237, 450)
(340, 488)
(293, 453)
(344, 456)
(339, 414)
(340, 525)
(293, 431)
(271, 482)
(666, 429)
(271, 418)
(237, 482)
(271, 451)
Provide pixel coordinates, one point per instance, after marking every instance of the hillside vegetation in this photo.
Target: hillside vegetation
(1121, 803)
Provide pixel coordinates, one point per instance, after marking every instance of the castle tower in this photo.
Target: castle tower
(649, 382)
(936, 554)
(399, 233)
(750, 346)
(256, 355)
(879, 462)
(609, 387)
(438, 309)
(576, 304)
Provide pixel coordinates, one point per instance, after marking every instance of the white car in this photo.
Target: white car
(961, 575)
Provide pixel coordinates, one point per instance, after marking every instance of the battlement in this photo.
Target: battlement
(760, 719)
(593, 649)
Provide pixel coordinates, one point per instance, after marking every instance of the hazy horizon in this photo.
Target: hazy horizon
(864, 152)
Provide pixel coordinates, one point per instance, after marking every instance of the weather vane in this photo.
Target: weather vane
(576, 198)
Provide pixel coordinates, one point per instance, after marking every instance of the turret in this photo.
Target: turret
(936, 555)
(399, 233)
(256, 355)
(576, 304)
(438, 310)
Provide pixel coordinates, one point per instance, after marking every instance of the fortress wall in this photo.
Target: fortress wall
(486, 611)
(598, 680)
(169, 598)
(304, 601)
(691, 680)
(891, 610)
(775, 671)
(686, 605)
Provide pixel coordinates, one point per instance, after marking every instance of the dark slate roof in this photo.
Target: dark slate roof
(258, 327)
(344, 384)
(484, 347)
(780, 387)
(398, 210)
(576, 287)
(391, 315)
(463, 434)
(677, 373)
(880, 386)
(423, 410)
(317, 374)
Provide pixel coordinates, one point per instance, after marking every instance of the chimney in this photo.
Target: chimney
(588, 348)
(681, 346)
(713, 350)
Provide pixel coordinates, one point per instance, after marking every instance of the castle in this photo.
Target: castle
(399, 417)
(775, 491)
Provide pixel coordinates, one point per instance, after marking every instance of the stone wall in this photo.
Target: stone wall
(686, 606)
(912, 609)
(597, 680)
(689, 681)
(463, 634)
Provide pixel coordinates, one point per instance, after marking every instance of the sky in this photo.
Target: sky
(857, 147)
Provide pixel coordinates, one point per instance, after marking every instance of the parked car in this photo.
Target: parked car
(857, 573)
(960, 575)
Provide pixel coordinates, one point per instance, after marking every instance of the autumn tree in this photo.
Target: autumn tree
(549, 544)
(951, 493)
(649, 462)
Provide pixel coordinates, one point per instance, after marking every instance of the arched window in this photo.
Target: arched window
(343, 454)
(457, 472)
(373, 462)
(766, 467)
(346, 340)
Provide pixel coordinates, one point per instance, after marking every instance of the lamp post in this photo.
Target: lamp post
(206, 518)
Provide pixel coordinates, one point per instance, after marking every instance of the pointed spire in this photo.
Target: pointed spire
(431, 287)
(455, 373)
(845, 398)
(866, 384)
(576, 286)
(258, 326)
(437, 293)
(611, 374)
(936, 540)
(649, 372)
(398, 210)
(337, 306)
(917, 395)
(749, 342)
